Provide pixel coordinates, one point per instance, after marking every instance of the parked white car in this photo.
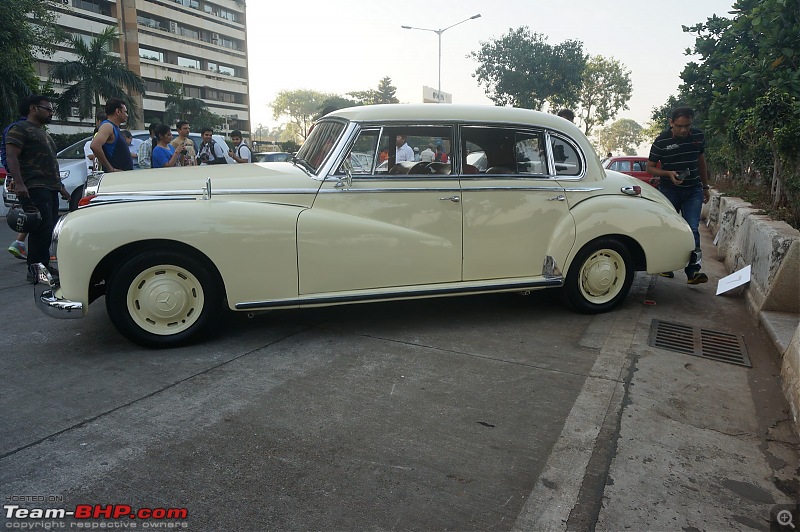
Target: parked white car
(172, 248)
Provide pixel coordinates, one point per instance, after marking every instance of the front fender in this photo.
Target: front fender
(252, 245)
(665, 238)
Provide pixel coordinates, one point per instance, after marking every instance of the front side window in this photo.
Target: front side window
(319, 144)
(415, 150)
(362, 154)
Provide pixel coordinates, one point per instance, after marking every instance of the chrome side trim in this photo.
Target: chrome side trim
(546, 282)
(393, 190)
(108, 200)
(506, 177)
(532, 188)
(175, 194)
(44, 289)
(582, 189)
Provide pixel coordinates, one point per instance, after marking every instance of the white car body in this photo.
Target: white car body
(169, 248)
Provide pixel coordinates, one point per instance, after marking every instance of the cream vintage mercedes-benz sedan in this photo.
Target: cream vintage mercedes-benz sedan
(349, 219)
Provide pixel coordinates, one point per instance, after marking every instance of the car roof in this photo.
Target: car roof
(452, 112)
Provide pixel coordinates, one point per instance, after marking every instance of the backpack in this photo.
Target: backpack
(3, 145)
(213, 149)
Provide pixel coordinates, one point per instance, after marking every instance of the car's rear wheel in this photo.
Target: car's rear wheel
(163, 299)
(600, 277)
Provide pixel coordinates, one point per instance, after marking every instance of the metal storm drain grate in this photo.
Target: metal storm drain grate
(714, 345)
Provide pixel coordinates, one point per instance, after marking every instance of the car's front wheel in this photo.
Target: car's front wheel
(163, 299)
(600, 277)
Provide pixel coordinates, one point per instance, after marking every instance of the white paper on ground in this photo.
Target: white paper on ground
(716, 237)
(735, 279)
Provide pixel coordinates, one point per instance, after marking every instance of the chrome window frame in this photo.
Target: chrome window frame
(582, 156)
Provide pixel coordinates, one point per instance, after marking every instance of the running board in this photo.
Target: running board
(360, 297)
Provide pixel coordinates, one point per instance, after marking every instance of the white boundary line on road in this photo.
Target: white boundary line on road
(557, 489)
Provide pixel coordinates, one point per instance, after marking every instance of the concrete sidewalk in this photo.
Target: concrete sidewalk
(702, 445)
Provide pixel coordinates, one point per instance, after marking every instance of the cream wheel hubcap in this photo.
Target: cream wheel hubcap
(602, 276)
(165, 299)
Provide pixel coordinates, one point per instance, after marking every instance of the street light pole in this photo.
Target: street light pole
(439, 33)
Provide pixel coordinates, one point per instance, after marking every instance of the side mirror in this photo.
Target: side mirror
(347, 179)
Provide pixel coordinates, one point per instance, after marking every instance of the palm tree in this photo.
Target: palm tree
(95, 74)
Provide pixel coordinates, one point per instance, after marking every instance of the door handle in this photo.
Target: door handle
(454, 199)
(560, 197)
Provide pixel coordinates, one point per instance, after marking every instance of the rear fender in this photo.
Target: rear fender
(664, 238)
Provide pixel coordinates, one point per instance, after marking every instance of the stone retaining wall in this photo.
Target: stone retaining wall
(772, 249)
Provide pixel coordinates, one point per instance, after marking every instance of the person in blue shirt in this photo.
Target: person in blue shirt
(164, 154)
(109, 146)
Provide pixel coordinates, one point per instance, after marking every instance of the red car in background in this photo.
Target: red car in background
(631, 165)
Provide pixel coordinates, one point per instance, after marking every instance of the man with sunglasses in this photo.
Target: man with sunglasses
(683, 178)
(31, 156)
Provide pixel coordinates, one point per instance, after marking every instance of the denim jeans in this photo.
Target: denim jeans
(39, 241)
(689, 202)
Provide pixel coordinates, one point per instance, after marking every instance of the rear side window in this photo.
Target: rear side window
(503, 151)
(566, 157)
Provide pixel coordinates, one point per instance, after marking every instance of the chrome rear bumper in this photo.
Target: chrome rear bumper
(44, 295)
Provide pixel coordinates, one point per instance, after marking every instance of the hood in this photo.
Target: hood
(282, 183)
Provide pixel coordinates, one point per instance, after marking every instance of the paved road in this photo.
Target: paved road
(494, 412)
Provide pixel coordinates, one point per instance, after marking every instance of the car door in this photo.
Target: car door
(514, 209)
(390, 225)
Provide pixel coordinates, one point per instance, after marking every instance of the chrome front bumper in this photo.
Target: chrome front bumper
(44, 295)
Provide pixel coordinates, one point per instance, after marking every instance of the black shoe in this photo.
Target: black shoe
(697, 278)
(668, 275)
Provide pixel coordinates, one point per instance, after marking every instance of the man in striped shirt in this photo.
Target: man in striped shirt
(683, 177)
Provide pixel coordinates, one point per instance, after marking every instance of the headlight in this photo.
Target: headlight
(64, 174)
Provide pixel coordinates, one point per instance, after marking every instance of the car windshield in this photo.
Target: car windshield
(75, 151)
(319, 144)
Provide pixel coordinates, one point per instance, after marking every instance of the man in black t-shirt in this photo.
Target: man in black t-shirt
(683, 177)
(31, 157)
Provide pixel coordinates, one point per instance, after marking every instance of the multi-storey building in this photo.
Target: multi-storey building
(201, 44)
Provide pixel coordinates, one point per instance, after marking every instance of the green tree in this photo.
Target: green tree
(521, 69)
(746, 87)
(333, 103)
(622, 135)
(95, 75)
(193, 110)
(301, 106)
(28, 27)
(659, 118)
(605, 90)
(385, 93)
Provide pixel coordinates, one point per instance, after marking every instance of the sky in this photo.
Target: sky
(339, 46)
